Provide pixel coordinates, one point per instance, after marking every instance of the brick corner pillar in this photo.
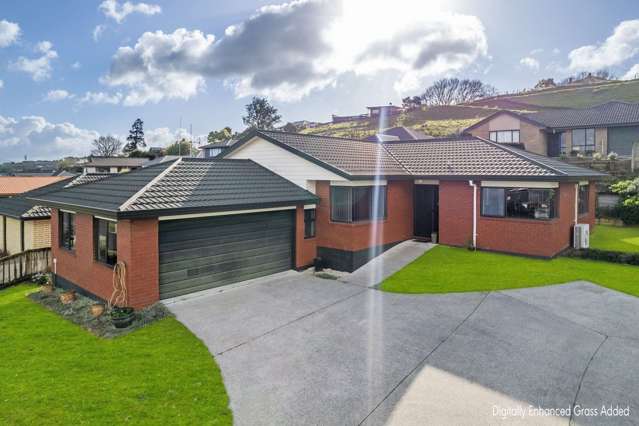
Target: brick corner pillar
(138, 249)
(305, 248)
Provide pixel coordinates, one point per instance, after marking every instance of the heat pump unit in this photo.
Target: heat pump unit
(581, 236)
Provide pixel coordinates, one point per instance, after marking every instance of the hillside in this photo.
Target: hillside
(570, 96)
(434, 121)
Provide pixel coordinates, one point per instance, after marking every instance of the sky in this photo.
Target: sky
(73, 70)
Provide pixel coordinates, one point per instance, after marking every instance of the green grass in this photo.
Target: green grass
(447, 269)
(54, 372)
(616, 238)
(582, 97)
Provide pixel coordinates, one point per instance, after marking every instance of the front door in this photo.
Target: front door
(426, 210)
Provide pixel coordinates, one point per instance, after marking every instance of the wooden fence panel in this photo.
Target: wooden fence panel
(21, 266)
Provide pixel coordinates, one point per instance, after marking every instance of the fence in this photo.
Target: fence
(20, 266)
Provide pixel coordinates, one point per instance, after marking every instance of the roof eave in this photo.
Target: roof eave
(138, 214)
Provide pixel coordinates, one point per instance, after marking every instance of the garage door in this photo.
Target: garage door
(196, 254)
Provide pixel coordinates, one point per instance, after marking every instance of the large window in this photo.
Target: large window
(584, 198)
(358, 203)
(106, 241)
(583, 140)
(524, 203)
(309, 223)
(67, 230)
(504, 136)
(563, 144)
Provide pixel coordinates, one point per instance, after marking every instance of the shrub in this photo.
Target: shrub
(597, 156)
(605, 255)
(629, 204)
(613, 156)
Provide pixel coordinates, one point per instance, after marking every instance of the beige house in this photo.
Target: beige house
(606, 128)
(23, 226)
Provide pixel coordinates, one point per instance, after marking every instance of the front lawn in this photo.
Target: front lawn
(615, 238)
(54, 372)
(448, 269)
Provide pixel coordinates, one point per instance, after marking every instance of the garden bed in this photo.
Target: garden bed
(79, 313)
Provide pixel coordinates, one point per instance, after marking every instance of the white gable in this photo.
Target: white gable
(283, 162)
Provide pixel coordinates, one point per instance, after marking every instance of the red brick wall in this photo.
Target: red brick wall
(398, 225)
(455, 213)
(305, 248)
(520, 236)
(79, 266)
(137, 248)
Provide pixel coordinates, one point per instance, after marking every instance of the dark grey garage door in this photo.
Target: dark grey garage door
(196, 254)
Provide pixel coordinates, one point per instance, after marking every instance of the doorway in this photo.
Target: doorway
(426, 211)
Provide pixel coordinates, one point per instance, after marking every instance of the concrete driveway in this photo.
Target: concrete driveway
(295, 349)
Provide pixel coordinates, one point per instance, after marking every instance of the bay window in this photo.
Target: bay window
(66, 233)
(358, 203)
(105, 241)
(526, 203)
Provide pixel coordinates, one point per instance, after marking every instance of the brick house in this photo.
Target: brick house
(555, 132)
(277, 201)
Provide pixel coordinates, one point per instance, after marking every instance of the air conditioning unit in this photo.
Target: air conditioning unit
(581, 236)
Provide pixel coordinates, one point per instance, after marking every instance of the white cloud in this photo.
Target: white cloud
(38, 138)
(287, 51)
(530, 63)
(622, 45)
(118, 12)
(556, 51)
(76, 65)
(96, 98)
(632, 73)
(97, 32)
(535, 52)
(57, 95)
(1, 84)
(163, 136)
(39, 68)
(9, 33)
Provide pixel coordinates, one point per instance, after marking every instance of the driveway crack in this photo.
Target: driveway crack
(291, 322)
(420, 363)
(581, 380)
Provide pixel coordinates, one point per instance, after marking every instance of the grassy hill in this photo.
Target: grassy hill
(434, 121)
(581, 96)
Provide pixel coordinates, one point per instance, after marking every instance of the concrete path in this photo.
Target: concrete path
(295, 349)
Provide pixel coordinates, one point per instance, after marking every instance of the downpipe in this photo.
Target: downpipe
(474, 185)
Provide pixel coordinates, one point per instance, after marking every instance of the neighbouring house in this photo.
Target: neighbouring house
(25, 225)
(14, 185)
(193, 224)
(605, 128)
(384, 110)
(96, 164)
(399, 133)
(214, 149)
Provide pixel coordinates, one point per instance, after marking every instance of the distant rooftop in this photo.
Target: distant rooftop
(13, 185)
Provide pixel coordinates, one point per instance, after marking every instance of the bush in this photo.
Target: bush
(605, 255)
(629, 204)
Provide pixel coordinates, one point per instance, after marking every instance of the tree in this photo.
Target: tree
(220, 135)
(106, 146)
(261, 114)
(183, 147)
(411, 102)
(452, 91)
(135, 139)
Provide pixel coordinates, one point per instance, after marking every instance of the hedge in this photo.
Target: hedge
(604, 255)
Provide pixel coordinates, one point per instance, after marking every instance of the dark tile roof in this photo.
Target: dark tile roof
(455, 157)
(20, 208)
(187, 185)
(200, 183)
(88, 178)
(610, 113)
(107, 194)
(345, 156)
